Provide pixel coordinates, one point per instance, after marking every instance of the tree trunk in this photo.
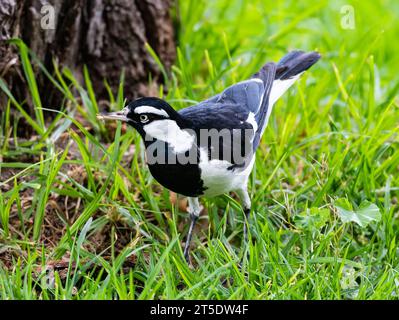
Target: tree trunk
(107, 36)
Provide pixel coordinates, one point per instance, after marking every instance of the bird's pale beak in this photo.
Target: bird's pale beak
(118, 115)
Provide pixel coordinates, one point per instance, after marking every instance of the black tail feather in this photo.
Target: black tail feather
(294, 63)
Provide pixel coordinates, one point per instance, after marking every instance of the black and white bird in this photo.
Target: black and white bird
(185, 158)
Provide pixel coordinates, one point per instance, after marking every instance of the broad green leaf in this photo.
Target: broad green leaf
(366, 213)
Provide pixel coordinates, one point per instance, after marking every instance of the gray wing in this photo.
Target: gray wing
(231, 108)
(228, 108)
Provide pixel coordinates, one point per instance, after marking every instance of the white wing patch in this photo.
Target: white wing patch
(252, 121)
(149, 109)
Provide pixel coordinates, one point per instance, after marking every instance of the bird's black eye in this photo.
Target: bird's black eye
(144, 118)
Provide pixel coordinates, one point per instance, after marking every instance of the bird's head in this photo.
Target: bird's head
(150, 116)
(144, 111)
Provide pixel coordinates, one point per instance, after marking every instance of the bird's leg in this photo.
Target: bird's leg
(246, 204)
(194, 209)
(194, 219)
(246, 221)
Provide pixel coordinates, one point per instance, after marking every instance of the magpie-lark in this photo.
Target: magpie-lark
(209, 149)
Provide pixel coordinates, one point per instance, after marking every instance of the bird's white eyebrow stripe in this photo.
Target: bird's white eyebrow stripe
(149, 109)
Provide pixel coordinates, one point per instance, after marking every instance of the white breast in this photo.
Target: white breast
(218, 179)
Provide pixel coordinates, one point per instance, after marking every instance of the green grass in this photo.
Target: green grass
(77, 201)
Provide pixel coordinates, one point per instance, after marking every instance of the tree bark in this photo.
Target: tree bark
(107, 36)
